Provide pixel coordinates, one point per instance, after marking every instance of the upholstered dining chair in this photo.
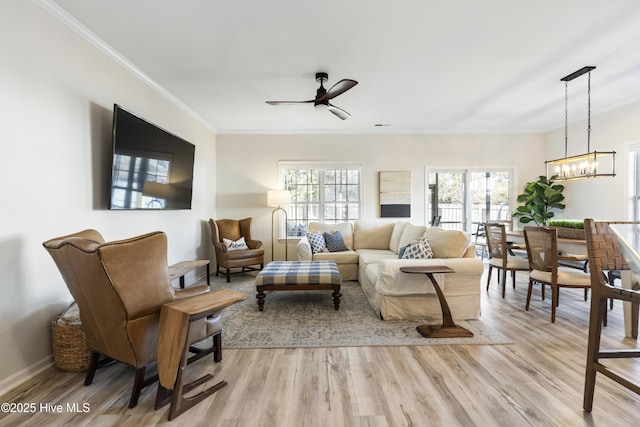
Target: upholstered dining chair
(542, 251)
(500, 256)
(604, 255)
(225, 233)
(120, 287)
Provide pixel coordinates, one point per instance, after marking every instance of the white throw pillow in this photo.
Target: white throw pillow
(235, 245)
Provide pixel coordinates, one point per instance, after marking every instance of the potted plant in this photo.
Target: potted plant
(539, 199)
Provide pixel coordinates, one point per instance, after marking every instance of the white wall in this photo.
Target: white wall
(247, 166)
(602, 198)
(57, 98)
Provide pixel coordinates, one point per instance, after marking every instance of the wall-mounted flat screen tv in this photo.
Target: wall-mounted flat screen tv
(152, 168)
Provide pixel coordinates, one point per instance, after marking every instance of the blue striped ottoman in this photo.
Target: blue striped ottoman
(299, 276)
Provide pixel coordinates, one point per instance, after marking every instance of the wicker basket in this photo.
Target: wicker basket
(71, 351)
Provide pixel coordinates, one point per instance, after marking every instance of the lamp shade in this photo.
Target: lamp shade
(278, 197)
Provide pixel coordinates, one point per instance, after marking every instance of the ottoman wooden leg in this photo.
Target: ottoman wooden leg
(260, 296)
(336, 297)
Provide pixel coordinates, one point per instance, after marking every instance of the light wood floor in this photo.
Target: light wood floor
(537, 381)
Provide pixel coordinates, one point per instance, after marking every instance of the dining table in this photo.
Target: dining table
(565, 246)
(628, 238)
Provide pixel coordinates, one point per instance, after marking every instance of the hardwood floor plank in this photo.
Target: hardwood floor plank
(536, 381)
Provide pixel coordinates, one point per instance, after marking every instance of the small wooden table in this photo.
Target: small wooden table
(173, 346)
(448, 329)
(183, 267)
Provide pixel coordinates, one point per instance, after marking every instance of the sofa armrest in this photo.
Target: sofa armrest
(391, 281)
(304, 250)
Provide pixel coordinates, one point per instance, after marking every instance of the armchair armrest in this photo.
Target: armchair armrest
(191, 291)
(254, 244)
(220, 246)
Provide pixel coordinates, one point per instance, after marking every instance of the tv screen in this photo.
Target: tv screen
(152, 168)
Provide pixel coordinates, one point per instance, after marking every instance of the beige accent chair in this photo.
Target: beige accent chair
(604, 254)
(233, 229)
(542, 250)
(119, 288)
(500, 256)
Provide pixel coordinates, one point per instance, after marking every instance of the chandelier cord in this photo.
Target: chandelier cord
(589, 112)
(566, 116)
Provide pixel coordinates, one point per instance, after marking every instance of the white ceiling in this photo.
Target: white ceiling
(422, 65)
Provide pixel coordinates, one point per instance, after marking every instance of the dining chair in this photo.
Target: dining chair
(542, 251)
(604, 255)
(500, 256)
(480, 240)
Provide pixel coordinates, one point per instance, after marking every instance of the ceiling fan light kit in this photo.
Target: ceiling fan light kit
(323, 96)
(592, 164)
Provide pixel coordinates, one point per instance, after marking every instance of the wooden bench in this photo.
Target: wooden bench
(183, 267)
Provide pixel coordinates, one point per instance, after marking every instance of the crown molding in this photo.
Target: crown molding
(80, 29)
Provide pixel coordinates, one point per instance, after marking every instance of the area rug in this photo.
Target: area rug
(308, 319)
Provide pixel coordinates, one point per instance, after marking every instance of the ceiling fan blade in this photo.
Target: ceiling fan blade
(339, 88)
(289, 102)
(339, 112)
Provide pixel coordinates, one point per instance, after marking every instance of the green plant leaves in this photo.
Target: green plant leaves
(538, 199)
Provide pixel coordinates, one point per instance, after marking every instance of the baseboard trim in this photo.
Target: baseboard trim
(24, 375)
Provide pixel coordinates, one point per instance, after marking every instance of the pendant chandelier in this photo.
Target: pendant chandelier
(592, 164)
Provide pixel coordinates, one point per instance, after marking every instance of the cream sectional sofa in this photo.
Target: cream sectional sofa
(372, 259)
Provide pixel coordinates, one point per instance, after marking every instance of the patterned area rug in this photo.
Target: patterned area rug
(308, 319)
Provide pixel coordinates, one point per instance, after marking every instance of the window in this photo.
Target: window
(320, 192)
(464, 198)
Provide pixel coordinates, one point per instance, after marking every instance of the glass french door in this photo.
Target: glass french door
(465, 198)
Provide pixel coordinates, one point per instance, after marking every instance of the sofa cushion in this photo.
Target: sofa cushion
(345, 257)
(345, 228)
(396, 234)
(317, 242)
(447, 243)
(372, 256)
(410, 233)
(372, 235)
(418, 249)
(334, 241)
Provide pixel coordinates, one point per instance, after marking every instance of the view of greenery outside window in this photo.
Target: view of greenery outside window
(465, 198)
(327, 193)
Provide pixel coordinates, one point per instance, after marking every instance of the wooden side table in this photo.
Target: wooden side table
(183, 267)
(448, 329)
(173, 347)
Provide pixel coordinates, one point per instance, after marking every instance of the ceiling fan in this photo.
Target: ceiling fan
(323, 96)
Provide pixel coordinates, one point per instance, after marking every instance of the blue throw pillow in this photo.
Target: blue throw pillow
(418, 249)
(316, 240)
(334, 242)
(401, 251)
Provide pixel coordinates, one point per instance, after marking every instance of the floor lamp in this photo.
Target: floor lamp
(279, 198)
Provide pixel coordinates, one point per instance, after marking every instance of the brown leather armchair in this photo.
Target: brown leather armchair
(233, 229)
(119, 288)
